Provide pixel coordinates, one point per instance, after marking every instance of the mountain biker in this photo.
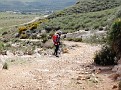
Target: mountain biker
(56, 41)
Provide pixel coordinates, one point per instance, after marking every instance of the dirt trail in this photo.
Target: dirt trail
(71, 71)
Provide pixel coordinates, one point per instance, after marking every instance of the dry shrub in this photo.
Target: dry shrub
(33, 26)
(5, 66)
(22, 28)
(23, 36)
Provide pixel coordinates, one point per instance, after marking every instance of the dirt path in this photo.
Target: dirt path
(71, 71)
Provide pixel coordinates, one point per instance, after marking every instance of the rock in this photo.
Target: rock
(1, 66)
(97, 86)
(9, 53)
(3, 52)
(83, 77)
(14, 87)
(75, 45)
(65, 50)
(114, 76)
(79, 78)
(119, 61)
(17, 35)
(86, 72)
(19, 53)
(114, 87)
(48, 44)
(119, 78)
(97, 71)
(95, 80)
(79, 82)
(37, 89)
(88, 77)
(115, 68)
(29, 52)
(43, 31)
(100, 28)
(4, 33)
(93, 75)
(45, 53)
(12, 60)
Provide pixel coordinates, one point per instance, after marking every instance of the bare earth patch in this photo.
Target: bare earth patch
(71, 71)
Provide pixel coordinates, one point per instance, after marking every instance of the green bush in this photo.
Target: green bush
(115, 32)
(105, 57)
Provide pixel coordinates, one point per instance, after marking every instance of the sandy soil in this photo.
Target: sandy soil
(71, 71)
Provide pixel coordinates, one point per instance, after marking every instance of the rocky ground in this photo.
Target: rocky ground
(73, 70)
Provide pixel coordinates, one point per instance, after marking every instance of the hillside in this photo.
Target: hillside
(90, 14)
(34, 5)
(84, 6)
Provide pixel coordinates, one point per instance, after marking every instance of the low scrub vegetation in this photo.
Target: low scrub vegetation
(74, 22)
(109, 55)
(84, 6)
(30, 30)
(105, 57)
